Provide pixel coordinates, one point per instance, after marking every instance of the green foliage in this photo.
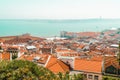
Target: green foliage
(78, 77)
(14, 56)
(25, 53)
(66, 76)
(25, 70)
(118, 32)
(110, 78)
(62, 76)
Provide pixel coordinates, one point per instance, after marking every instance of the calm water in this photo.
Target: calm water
(53, 27)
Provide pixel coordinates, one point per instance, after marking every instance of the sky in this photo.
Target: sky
(59, 9)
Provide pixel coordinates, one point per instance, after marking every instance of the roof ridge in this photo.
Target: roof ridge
(64, 65)
(52, 64)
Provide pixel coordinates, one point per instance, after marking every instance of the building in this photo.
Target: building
(90, 68)
(111, 66)
(55, 65)
(5, 56)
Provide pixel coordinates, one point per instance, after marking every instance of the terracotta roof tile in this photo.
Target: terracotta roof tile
(56, 65)
(111, 60)
(88, 65)
(5, 56)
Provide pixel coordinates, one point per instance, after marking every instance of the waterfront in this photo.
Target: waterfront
(53, 27)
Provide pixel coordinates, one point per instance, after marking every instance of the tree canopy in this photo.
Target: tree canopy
(23, 70)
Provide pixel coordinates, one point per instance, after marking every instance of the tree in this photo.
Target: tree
(78, 77)
(66, 76)
(14, 56)
(24, 70)
(110, 78)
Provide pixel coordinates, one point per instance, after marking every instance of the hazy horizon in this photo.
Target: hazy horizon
(61, 19)
(59, 9)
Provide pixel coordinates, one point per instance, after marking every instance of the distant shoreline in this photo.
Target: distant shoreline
(52, 27)
(69, 19)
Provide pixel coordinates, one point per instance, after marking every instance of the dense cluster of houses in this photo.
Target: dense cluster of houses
(94, 55)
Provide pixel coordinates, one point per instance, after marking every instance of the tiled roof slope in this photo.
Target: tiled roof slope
(88, 65)
(109, 60)
(56, 65)
(5, 56)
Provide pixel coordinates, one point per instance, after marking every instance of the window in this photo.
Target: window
(95, 77)
(90, 76)
(111, 70)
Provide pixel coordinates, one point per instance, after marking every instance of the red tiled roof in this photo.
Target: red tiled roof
(88, 65)
(26, 57)
(91, 34)
(56, 65)
(43, 57)
(65, 51)
(13, 47)
(97, 58)
(5, 56)
(1, 40)
(17, 40)
(111, 60)
(81, 46)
